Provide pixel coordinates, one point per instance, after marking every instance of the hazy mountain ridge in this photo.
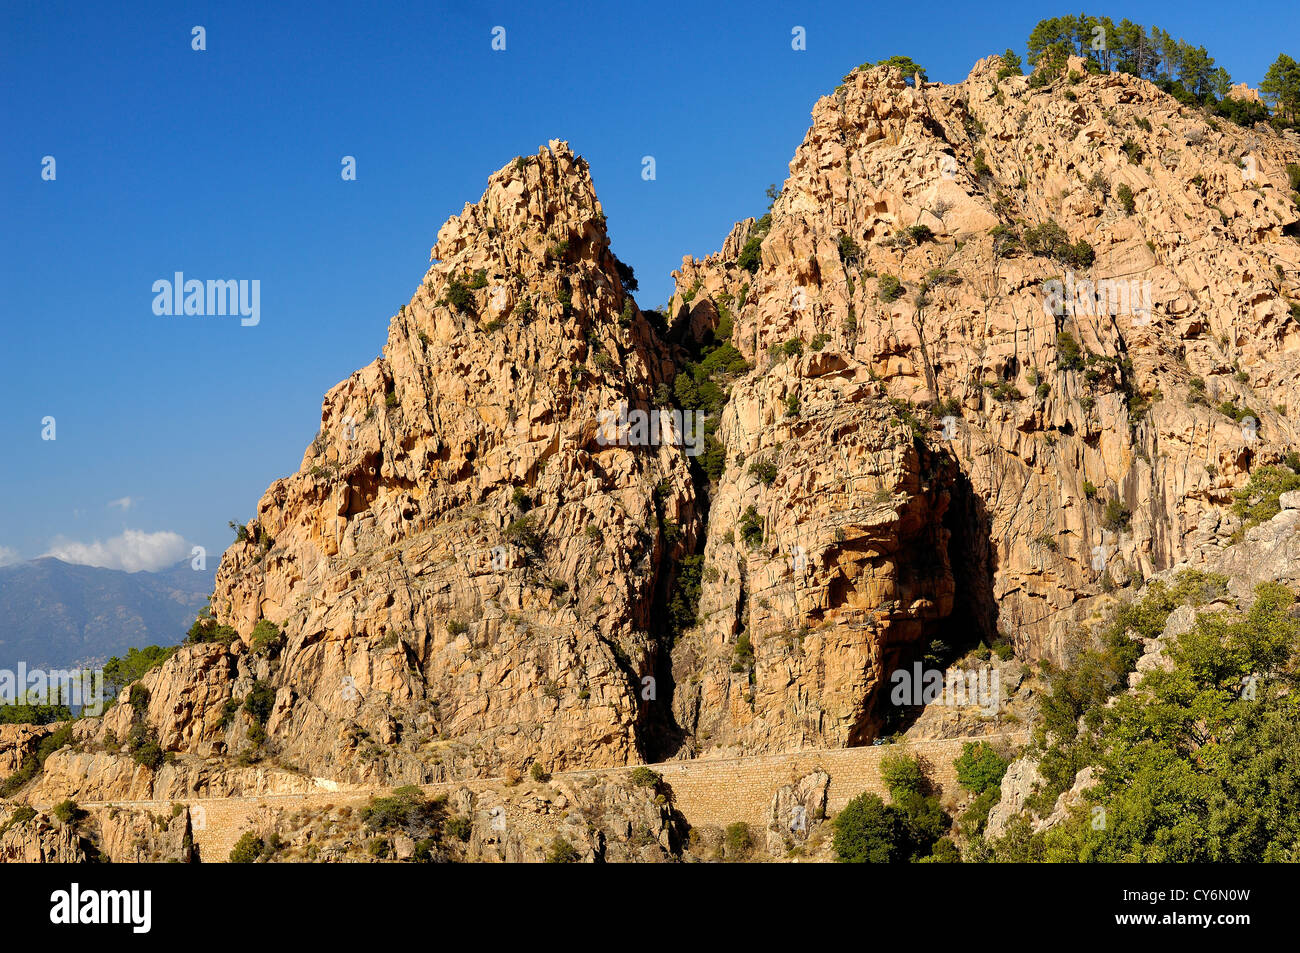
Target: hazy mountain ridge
(55, 614)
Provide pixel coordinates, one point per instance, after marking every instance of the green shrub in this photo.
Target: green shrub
(206, 629)
(751, 527)
(742, 656)
(66, 811)
(459, 296)
(891, 289)
(538, 773)
(260, 701)
(562, 852)
(459, 827)
(1125, 196)
(149, 754)
(407, 810)
(920, 234)
(849, 249)
(1011, 65)
(523, 532)
(739, 840)
(1069, 356)
(21, 815)
(1258, 501)
(643, 777)
(248, 849)
(1116, 515)
(267, 638)
(979, 767)
(867, 831)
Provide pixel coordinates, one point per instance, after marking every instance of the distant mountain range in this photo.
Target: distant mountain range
(56, 615)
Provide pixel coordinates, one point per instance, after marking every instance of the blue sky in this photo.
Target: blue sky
(225, 163)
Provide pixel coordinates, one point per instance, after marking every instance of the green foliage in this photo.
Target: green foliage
(1116, 516)
(1051, 241)
(751, 255)
(909, 828)
(520, 500)
(1258, 501)
(1125, 196)
(460, 827)
(562, 852)
(919, 234)
(764, 471)
(1198, 765)
(260, 701)
(267, 639)
(121, 672)
(685, 601)
(21, 815)
(891, 289)
(460, 296)
(1011, 65)
(34, 763)
(36, 710)
(1280, 87)
(539, 773)
(206, 629)
(147, 752)
(906, 65)
(867, 831)
(1069, 356)
(66, 812)
(406, 810)
(751, 527)
(1099, 668)
(850, 252)
(979, 767)
(524, 533)
(643, 777)
(1188, 72)
(742, 658)
(739, 840)
(248, 849)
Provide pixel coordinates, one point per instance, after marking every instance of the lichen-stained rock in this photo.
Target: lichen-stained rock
(1162, 410)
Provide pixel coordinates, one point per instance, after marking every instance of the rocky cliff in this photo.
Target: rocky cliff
(1079, 293)
(996, 351)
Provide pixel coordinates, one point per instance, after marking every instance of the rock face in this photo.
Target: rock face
(1162, 410)
(795, 809)
(995, 351)
(463, 568)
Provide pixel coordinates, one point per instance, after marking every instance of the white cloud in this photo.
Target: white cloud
(133, 551)
(8, 556)
(124, 504)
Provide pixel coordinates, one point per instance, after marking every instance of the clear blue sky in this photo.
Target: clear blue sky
(225, 164)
